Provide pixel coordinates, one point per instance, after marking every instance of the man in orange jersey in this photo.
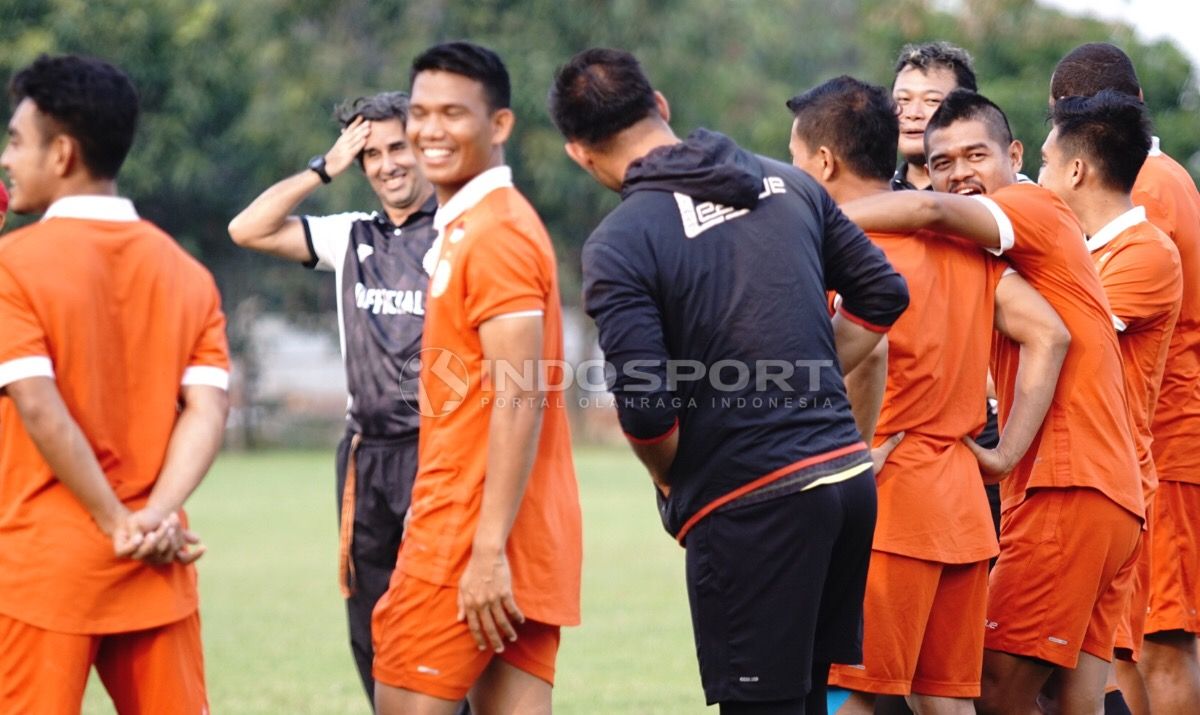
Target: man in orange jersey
(1169, 661)
(927, 585)
(1073, 506)
(113, 376)
(1091, 159)
(489, 568)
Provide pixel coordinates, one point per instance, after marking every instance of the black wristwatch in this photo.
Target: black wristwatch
(317, 164)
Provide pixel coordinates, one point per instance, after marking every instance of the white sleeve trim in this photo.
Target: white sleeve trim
(1118, 324)
(1007, 235)
(26, 367)
(519, 314)
(330, 236)
(206, 375)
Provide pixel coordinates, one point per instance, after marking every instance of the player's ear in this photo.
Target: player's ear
(502, 121)
(579, 154)
(829, 164)
(1079, 171)
(664, 107)
(1016, 155)
(63, 155)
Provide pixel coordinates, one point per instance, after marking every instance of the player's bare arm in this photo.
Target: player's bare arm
(193, 446)
(908, 211)
(1025, 317)
(485, 594)
(865, 385)
(268, 225)
(66, 450)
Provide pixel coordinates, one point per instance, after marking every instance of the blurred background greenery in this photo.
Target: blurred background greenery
(239, 94)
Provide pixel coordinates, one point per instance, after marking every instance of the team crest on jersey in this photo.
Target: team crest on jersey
(364, 252)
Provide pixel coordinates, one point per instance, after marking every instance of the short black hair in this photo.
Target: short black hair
(1090, 68)
(939, 55)
(599, 93)
(856, 120)
(1111, 129)
(963, 105)
(469, 60)
(373, 108)
(89, 100)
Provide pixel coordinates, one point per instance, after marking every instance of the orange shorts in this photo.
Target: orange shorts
(1131, 629)
(159, 670)
(922, 629)
(1062, 580)
(421, 646)
(1175, 559)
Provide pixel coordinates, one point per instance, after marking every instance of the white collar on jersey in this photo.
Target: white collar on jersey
(471, 193)
(94, 208)
(1155, 146)
(1114, 228)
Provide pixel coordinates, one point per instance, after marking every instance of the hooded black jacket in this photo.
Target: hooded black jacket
(718, 261)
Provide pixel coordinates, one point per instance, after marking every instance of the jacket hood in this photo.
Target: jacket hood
(706, 166)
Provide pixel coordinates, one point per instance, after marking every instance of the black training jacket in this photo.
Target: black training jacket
(718, 262)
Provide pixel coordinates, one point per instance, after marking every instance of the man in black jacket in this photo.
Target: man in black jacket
(708, 284)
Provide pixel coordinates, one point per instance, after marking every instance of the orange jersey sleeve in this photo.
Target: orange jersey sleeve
(23, 350)
(505, 276)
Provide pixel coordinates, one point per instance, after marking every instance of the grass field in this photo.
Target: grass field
(274, 630)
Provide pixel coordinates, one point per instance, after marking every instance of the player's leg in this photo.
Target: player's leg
(158, 670)
(42, 671)
(398, 701)
(1169, 660)
(1081, 689)
(1172, 672)
(505, 689)
(1011, 684)
(1132, 687)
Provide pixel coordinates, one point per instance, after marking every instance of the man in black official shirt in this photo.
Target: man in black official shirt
(378, 261)
(925, 74)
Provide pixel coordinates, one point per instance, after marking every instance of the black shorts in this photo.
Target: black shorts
(777, 586)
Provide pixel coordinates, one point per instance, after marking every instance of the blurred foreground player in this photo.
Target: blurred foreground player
(489, 569)
(1091, 158)
(723, 257)
(113, 371)
(1169, 664)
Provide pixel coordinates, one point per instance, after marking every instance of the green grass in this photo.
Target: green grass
(274, 626)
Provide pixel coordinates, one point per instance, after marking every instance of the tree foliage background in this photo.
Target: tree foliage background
(237, 94)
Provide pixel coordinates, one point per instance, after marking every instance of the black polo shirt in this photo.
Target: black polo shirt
(381, 279)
